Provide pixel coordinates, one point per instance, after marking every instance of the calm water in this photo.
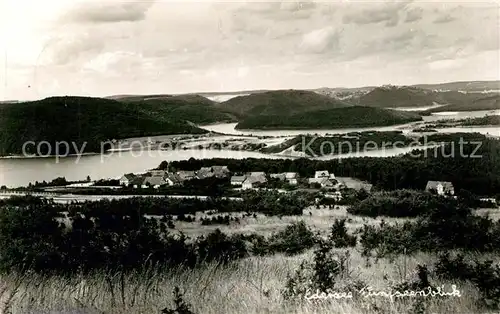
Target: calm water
(16, 172)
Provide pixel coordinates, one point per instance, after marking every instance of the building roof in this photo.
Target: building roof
(280, 176)
(156, 180)
(129, 176)
(238, 179)
(321, 173)
(432, 185)
(186, 174)
(322, 181)
(173, 177)
(255, 179)
(158, 173)
(220, 169)
(291, 175)
(257, 173)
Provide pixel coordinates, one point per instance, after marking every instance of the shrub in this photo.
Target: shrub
(295, 239)
(325, 273)
(485, 275)
(339, 236)
(181, 307)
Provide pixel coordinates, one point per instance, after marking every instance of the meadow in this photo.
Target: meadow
(254, 284)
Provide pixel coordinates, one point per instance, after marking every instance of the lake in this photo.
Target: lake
(15, 172)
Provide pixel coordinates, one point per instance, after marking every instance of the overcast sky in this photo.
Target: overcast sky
(100, 48)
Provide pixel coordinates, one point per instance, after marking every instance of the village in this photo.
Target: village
(323, 180)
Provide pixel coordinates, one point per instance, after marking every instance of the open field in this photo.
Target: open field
(252, 285)
(319, 219)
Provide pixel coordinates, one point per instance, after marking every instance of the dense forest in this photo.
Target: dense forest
(349, 117)
(79, 121)
(343, 143)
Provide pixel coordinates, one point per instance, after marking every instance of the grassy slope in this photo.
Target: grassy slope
(250, 285)
(79, 120)
(349, 117)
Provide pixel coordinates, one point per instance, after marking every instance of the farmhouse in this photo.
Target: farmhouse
(324, 182)
(440, 187)
(204, 172)
(353, 183)
(186, 175)
(157, 173)
(220, 171)
(251, 181)
(127, 179)
(154, 182)
(290, 177)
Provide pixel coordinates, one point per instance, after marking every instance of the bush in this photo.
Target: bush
(485, 275)
(399, 203)
(295, 239)
(339, 236)
(326, 272)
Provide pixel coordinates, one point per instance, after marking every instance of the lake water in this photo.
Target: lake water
(16, 172)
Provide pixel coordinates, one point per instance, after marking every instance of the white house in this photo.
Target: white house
(440, 187)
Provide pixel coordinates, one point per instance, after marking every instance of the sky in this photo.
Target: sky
(102, 48)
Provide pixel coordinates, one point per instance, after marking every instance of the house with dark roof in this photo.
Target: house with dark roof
(440, 187)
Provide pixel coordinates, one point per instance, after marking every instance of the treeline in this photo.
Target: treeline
(473, 167)
(346, 143)
(446, 226)
(265, 202)
(411, 203)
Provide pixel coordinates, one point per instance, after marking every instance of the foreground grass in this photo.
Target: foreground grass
(252, 285)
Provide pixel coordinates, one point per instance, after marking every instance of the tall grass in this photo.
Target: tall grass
(251, 285)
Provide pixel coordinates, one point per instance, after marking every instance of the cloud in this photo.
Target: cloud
(376, 13)
(321, 40)
(414, 15)
(446, 18)
(94, 12)
(65, 49)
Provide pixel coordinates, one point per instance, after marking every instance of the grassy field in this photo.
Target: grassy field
(251, 285)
